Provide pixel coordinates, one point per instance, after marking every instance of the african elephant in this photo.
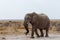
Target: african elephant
(38, 21)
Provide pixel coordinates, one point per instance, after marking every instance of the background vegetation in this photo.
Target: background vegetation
(16, 26)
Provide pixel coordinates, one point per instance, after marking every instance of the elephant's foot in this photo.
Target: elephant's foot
(41, 35)
(38, 36)
(32, 37)
(25, 33)
(46, 36)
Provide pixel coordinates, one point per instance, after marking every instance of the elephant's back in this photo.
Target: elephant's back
(43, 17)
(44, 21)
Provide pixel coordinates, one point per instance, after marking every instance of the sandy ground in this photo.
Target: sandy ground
(24, 37)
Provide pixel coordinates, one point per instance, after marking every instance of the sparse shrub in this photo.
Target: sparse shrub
(58, 27)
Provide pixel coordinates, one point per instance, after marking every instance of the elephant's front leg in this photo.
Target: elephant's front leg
(32, 33)
(42, 34)
(36, 32)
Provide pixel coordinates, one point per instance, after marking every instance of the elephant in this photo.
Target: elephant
(38, 21)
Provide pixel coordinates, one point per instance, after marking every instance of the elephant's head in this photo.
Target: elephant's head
(28, 18)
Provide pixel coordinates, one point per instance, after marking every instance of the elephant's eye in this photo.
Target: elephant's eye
(28, 18)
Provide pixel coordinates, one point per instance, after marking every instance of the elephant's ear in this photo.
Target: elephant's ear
(34, 19)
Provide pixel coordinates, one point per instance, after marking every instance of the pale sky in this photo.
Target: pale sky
(17, 9)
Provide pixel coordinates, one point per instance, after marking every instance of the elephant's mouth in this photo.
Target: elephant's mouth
(27, 22)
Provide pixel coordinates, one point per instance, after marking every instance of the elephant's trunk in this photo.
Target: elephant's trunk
(26, 27)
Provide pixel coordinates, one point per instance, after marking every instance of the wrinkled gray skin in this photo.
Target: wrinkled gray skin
(38, 21)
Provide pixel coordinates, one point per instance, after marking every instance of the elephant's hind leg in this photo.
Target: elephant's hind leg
(46, 33)
(47, 29)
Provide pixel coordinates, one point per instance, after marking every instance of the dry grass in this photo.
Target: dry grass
(20, 29)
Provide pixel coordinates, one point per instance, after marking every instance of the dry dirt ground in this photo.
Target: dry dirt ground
(24, 37)
(11, 34)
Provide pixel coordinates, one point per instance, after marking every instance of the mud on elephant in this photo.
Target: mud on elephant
(38, 21)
